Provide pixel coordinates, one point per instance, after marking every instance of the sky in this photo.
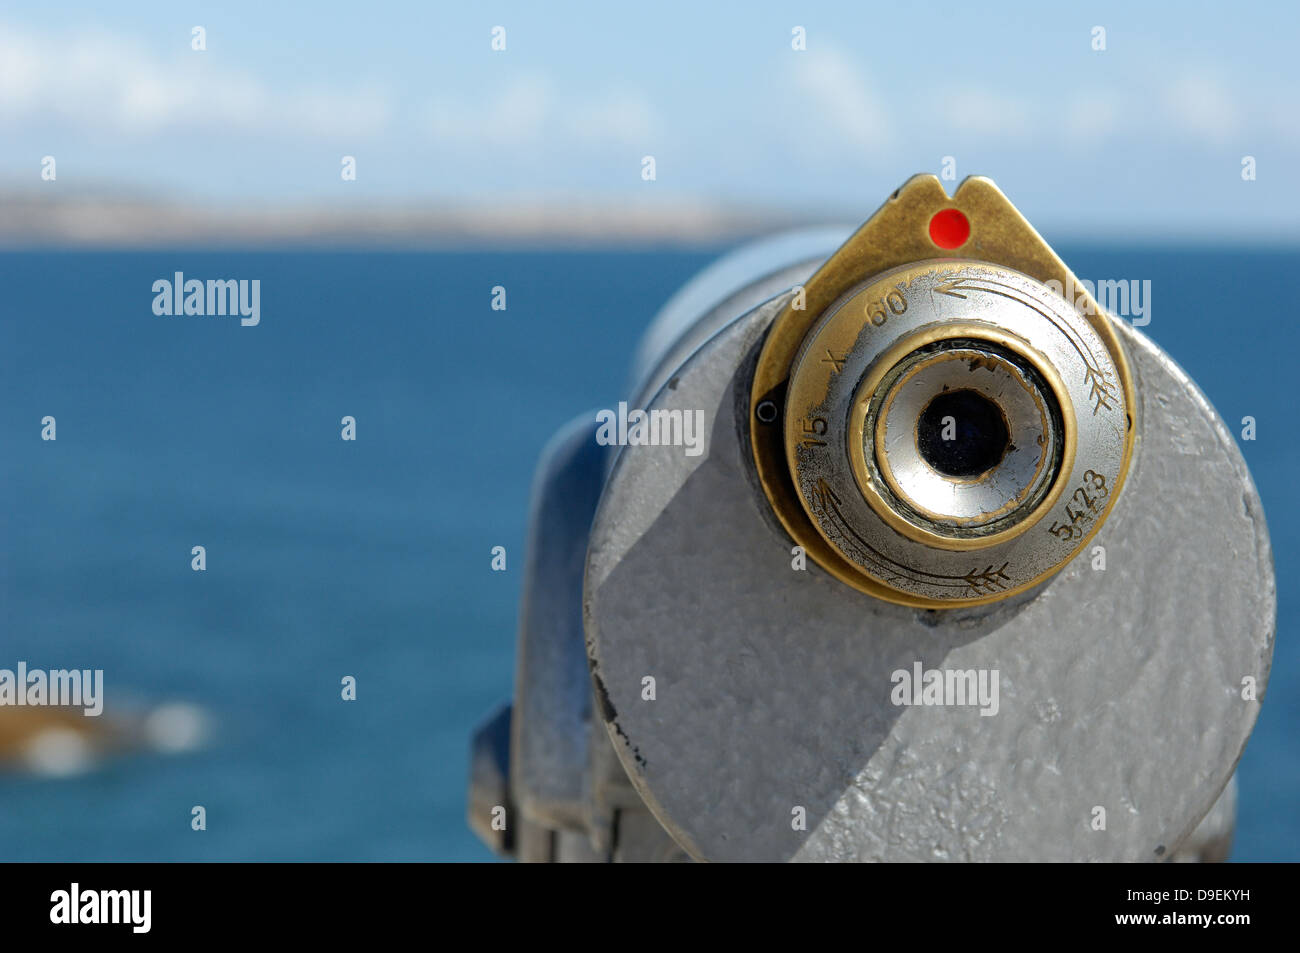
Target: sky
(1144, 138)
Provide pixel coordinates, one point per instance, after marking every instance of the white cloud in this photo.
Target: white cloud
(1197, 106)
(985, 112)
(1201, 106)
(102, 80)
(517, 116)
(531, 111)
(620, 116)
(839, 98)
(1093, 115)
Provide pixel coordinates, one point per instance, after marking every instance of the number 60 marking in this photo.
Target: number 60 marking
(878, 311)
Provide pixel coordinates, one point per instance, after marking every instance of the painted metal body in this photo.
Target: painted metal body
(773, 729)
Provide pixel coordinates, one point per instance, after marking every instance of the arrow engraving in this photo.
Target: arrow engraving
(977, 583)
(1101, 389)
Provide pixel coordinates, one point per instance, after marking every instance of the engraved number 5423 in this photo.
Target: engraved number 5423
(1077, 507)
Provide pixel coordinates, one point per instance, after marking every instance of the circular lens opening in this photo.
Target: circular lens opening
(961, 433)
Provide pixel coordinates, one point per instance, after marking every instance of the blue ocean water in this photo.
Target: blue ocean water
(328, 558)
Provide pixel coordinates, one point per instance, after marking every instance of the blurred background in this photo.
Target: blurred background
(1147, 144)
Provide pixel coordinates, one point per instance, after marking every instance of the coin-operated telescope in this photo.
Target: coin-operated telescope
(874, 565)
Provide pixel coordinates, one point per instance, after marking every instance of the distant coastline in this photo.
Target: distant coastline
(35, 219)
(29, 220)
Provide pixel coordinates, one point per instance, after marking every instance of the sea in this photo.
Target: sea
(371, 558)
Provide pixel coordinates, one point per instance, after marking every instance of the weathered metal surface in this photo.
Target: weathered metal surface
(549, 734)
(489, 773)
(736, 283)
(1211, 842)
(1119, 689)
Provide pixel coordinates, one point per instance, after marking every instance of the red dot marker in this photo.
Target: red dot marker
(949, 228)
